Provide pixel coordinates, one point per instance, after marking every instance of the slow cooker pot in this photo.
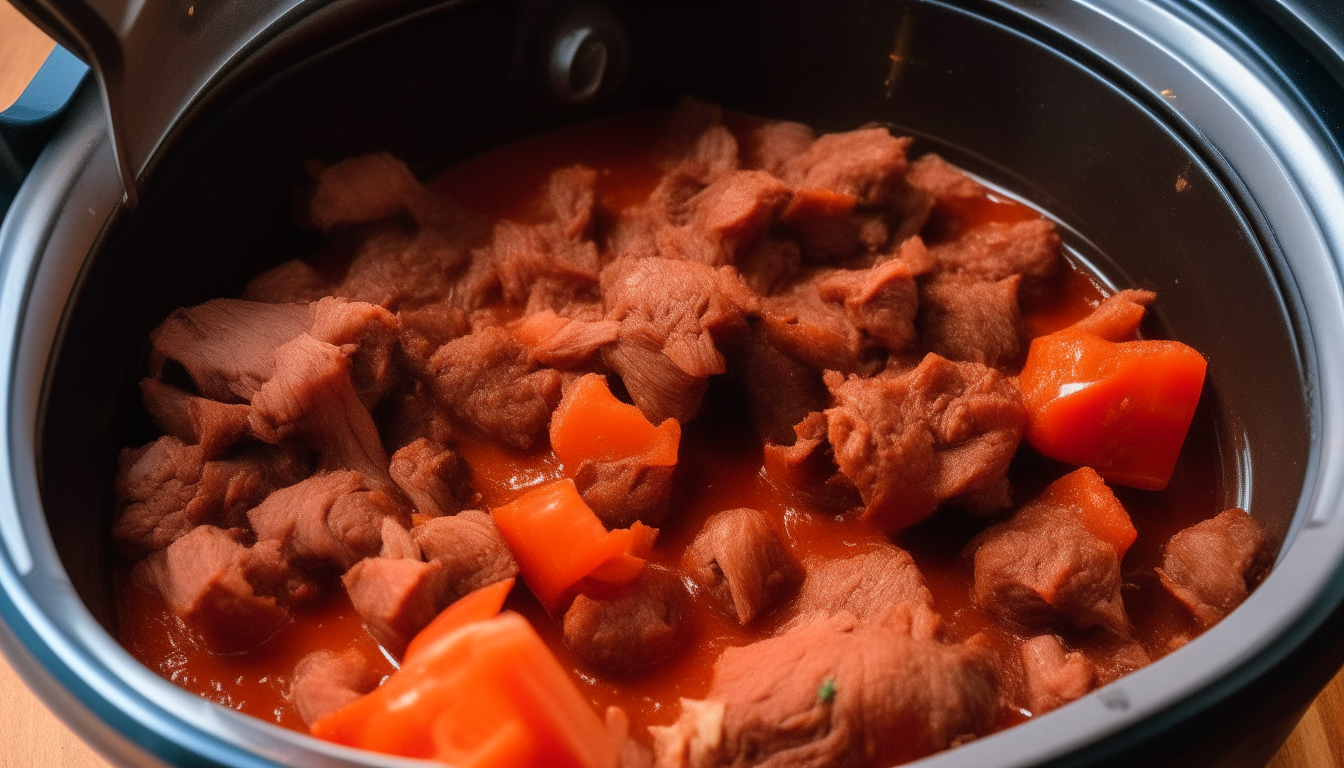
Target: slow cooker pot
(1191, 148)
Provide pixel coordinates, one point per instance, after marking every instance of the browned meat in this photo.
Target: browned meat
(697, 144)
(874, 588)
(769, 147)
(808, 469)
(623, 491)
(227, 346)
(365, 333)
(325, 681)
(816, 332)
(972, 320)
(396, 597)
(426, 328)
(399, 267)
(194, 420)
(725, 219)
(739, 563)
(942, 432)
(868, 164)
(944, 181)
(409, 413)
(311, 398)
(997, 250)
(1043, 568)
(360, 190)
(204, 578)
(433, 477)
(488, 382)
(831, 693)
(1212, 566)
(470, 549)
(165, 489)
(677, 310)
(332, 517)
(633, 630)
(632, 753)
(881, 301)
(397, 541)
(781, 391)
(1118, 316)
(562, 342)
(1051, 677)
(293, 282)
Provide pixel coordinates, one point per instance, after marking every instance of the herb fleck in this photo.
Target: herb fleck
(827, 690)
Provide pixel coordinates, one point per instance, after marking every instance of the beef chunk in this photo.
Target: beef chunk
(226, 346)
(293, 282)
(1212, 566)
(818, 333)
(697, 145)
(808, 469)
(204, 578)
(944, 181)
(432, 476)
(739, 562)
(880, 301)
(997, 250)
(972, 320)
(360, 190)
(725, 219)
(623, 491)
(781, 391)
(637, 628)
(1051, 677)
(411, 412)
(398, 267)
(679, 311)
(312, 398)
(194, 420)
(396, 597)
(488, 381)
(470, 549)
(562, 342)
(325, 681)
(831, 693)
(1043, 567)
(365, 333)
(871, 587)
(868, 164)
(398, 544)
(1117, 318)
(165, 489)
(332, 517)
(769, 147)
(942, 432)
(426, 328)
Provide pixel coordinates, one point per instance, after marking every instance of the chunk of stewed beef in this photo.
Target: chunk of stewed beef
(330, 518)
(817, 332)
(325, 681)
(1118, 316)
(944, 181)
(868, 164)
(212, 425)
(360, 190)
(872, 587)
(1044, 568)
(880, 301)
(556, 254)
(626, 490)
(400, 266)
(997, 250)
(781, 390)
(365, 333)
(561, 342)
(488, 381)
(807, 468)
(425, 329)
(834, 693)
(204, 579)
(1052, 677)
(396, 597)
(770, 146)
(469, 548)
(634, 628)
(941, 432)
(972, 320)
(432, 476)
(725, 219)
(293, 282)
(739, 563)
(1212, 566)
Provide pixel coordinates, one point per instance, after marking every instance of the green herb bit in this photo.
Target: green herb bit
(827, 690)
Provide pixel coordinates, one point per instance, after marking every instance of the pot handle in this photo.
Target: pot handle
(153, 59)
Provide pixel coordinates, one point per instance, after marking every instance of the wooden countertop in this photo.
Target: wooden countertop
(33, 738)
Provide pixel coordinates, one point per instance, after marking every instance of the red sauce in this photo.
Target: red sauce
(720, 468)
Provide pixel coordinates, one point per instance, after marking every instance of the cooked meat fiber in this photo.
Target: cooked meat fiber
(325, 681)
(227, 346)
(1118, 316)
(212, 425)
(469, 548)
(626, 490)
(1211, 567)
(361, 190)
(972, 320)
(425, 329)
(487, 380)
(832, 693)
(366, 334)
(817, 332)
(873, 587)
(998, 250)
(1043, 568)
(293, 282)
(781, 391)
(432, 476)
(942, 432)
(808, 470)
(638, 627)
(397, 542)
(1051, 677)
(868, 165)
(565, 343)
(946, 182)
(396, 597)
(770, 146)
(738, 561)
(725, 219)
(880, 301)
(332, 517)
(204, 577)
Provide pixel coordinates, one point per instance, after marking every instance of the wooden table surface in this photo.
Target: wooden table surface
(32, 738)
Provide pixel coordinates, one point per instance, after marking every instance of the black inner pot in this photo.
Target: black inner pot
(1153, 207)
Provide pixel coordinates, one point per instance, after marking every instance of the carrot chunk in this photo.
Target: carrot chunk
(591, 424)
(1121, 408)
(479, 605)
(558, 541)
(1083, 491)
(489, 694)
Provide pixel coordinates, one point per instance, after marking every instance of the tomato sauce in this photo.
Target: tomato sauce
(720, 467)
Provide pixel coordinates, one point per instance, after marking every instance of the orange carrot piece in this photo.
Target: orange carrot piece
(592, 424)
(1122, 409)
(488, 695)
(478, 605)
(558, 541)
(1105, 517)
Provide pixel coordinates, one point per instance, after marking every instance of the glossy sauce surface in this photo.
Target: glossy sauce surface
(720, 468)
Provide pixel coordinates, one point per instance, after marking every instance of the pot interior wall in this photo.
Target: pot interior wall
(457, 81)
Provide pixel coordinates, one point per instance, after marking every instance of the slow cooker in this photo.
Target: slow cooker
(1187, 147)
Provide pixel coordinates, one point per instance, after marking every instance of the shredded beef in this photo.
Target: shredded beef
(366, 334)
(971, 320)
(227, 346)
(739, 563)
(1052, 677)
(637, 628)
(332, 517)
(433, 477)
(1212, 566)
(942, 432)
(212, 425)
(325, 681)
(469, 548)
